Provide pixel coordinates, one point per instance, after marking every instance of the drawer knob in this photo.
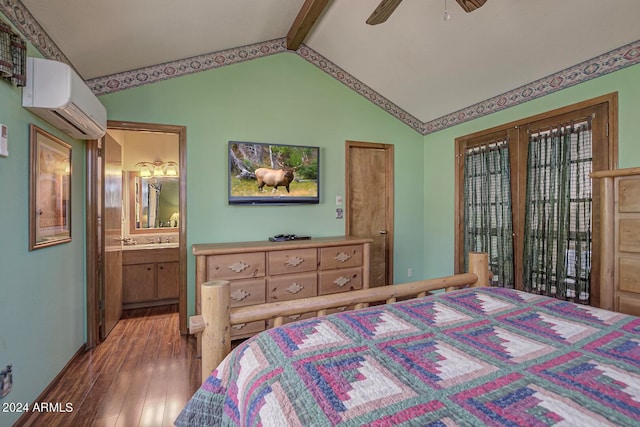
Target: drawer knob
(342, 257)
(341, 281)
(294, 261)
(239, 294)
(294, 288)
(238, 266)
(294, 316)
(238, 326)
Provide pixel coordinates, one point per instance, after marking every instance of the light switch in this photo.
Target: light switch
(4, 144)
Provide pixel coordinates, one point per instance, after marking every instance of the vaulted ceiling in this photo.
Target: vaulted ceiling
(426, 71)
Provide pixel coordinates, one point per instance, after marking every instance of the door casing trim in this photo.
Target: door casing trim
(93, 297)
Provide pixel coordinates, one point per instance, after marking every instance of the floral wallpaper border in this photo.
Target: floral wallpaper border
(182, 67)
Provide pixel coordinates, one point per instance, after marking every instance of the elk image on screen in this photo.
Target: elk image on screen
(276, 174)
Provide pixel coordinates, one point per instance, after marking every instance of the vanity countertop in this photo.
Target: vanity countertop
(150, 246)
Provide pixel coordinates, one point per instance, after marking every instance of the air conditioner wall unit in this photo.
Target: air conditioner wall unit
(57, 94)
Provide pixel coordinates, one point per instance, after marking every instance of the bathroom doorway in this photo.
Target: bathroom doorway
(170, 231)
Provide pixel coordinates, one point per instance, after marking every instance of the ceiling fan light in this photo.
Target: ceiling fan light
(445, 15)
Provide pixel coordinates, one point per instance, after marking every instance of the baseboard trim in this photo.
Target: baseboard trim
(134, 305)
(24, 418)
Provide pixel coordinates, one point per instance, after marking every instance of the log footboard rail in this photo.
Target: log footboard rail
(217, 316)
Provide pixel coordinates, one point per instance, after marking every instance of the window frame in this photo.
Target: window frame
(604, 110)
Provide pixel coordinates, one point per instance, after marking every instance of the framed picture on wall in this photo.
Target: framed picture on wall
(49, 190)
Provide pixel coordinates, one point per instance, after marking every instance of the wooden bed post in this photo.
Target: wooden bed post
(216, 337)
(607, 243)
(479, 265)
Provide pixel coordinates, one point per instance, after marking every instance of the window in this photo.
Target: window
(523, 194)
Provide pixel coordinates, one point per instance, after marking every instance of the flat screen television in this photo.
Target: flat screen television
(273, 174)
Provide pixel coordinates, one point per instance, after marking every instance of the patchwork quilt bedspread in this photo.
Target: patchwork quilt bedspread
(480, 356)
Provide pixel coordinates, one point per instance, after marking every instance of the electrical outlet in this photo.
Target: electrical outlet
(409, 272)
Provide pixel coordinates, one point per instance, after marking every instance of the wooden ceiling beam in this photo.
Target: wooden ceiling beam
(302, 25)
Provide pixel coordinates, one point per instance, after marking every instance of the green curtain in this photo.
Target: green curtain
(488, 225)
(557, 244)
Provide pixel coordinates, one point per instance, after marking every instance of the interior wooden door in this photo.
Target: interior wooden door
(369, 203)
(112, 283)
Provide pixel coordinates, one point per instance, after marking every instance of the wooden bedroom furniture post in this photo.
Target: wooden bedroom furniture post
(607, 249)
(216, 337)
(201, 278)
(479, 265)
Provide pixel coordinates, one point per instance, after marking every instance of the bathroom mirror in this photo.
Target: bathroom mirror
(154, 203)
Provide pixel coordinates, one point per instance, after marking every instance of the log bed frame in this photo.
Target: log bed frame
(217, 317)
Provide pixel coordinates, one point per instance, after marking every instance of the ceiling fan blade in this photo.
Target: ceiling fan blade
(471, 5)
(383, 11)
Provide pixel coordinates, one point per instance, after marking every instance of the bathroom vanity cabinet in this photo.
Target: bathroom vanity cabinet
(150, 277)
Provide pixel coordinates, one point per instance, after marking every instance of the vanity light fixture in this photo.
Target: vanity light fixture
(158, 168)
(172, 169)
(144, 171)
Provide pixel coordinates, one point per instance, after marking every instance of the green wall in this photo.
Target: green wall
(439, 154)
(42, 293)
(281, 99)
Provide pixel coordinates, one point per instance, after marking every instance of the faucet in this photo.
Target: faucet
(127, 241)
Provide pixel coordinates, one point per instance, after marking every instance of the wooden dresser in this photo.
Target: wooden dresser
(278, 271)
(620, 250)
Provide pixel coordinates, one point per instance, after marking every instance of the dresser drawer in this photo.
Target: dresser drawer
(247, 329)
(247, 292)
(340, 257)
(294, 261)
(235, 266)
(284, 288)
(342, 280)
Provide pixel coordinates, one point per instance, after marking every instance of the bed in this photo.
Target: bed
(472, 356)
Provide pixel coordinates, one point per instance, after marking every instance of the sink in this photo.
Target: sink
(150, 246)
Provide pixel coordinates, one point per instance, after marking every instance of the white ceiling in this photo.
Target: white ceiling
(425, 65)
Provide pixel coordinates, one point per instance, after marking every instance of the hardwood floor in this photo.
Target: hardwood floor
(141, 375)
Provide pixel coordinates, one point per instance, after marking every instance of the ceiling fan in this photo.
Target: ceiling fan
(386, 8)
